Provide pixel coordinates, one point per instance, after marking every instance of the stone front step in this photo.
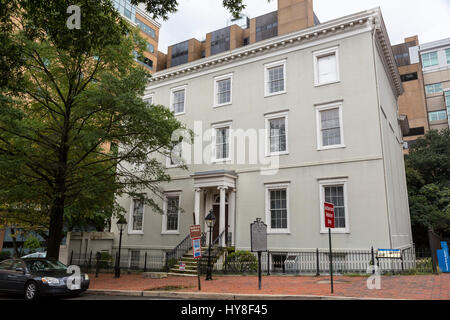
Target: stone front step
(182, 274)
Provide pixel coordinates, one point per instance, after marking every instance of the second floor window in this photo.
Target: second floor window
(222, 143)
(329, 122)
(277, 135)
(176, 154)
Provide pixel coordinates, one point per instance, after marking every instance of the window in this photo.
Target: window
(438, 115)
(430, 59)
(326, 66)
(277, 208)
(137, 217)
(221, 142)
(146, 28)
(176, 154)
(150, 47)
(178, 98)
(447, 54)
(447, 104)
(223, 90)
(148, 99)
(276, 133)
(335, 192)
(171, 213)
(409, 77)
(330, 133)
(275, 78)
(433, 88)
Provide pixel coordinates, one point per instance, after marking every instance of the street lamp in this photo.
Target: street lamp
(210, 220)
(121, 223)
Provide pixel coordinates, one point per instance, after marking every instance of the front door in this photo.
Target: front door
(216, 227)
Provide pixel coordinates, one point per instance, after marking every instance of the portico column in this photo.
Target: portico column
(222, 214)
(197, 205)
(231, 214)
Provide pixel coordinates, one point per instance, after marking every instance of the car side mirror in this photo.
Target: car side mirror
(20, 270)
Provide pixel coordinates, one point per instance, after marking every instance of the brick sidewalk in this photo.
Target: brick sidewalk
(422, 287)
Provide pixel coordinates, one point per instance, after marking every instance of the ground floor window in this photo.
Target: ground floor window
(277, 208)
(335, 192)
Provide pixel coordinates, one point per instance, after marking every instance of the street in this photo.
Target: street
(84, 296)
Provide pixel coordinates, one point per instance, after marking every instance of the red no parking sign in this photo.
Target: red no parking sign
(329, 215)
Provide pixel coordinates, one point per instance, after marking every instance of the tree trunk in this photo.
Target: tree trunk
(55, 233)
(14, 242)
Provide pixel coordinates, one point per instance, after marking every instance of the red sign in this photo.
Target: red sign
(329, 215)
(195, 231)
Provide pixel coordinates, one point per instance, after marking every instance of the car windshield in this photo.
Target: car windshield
(45, 265)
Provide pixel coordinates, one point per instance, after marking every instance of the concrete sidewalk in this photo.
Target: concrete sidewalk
(420, 287)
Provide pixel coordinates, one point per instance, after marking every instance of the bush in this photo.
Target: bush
(4, 255)
(32, 243)
(241, 262)
(105, 261)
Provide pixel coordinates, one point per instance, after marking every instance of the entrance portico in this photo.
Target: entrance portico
(218, 188)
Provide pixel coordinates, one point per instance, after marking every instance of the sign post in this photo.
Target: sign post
(329, 223)
(258, 235)
(195, 232)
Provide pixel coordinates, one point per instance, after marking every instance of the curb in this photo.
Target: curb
(217, 296)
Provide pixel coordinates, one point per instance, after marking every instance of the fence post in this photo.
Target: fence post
(90, 261)
(373, 260)
(317, 263)
(145, 262)
(268, 262)
(71, 258)
(167, 261)
(97, 263)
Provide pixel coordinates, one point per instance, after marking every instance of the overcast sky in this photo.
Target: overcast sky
(429, 19)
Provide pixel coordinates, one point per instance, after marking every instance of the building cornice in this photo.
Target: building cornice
(371, 18)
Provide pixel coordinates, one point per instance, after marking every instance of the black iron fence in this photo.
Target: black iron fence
(307, 262)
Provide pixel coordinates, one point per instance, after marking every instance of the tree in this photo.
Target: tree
(428, 179)
(69, 94)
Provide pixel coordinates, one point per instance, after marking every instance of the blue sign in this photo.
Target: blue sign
(443, 257)
(196, 248)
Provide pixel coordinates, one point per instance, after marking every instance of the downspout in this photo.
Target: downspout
(374, 30)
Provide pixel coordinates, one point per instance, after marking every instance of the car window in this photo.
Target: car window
(17, 264)
(4, 265)
(44, 265)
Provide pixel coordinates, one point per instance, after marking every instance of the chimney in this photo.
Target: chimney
(294, 15)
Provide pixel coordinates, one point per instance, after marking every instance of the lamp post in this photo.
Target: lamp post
(121, 223)
(210, 220)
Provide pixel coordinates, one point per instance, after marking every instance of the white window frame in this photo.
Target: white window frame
(164, 216)
(329, 183)
(323, 53)
(213, 141)
(268, 117)
(429, 54)
(216, 103)
(172, 91)
(149, 96)
(319, 108)
(268, 66)
(169, 165)
(130, 219)
(268, 188)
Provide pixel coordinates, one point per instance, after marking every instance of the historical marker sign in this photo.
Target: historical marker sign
(329, 215)
(195, 231)
(258, 235)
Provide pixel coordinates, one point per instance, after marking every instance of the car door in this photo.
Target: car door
(4, 270)
(16, 276)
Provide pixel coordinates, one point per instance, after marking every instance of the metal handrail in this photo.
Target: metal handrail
(181, 249)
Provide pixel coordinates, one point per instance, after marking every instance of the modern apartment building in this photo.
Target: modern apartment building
(137, 16)
(425, 72)
(282, 124)
(412, 103)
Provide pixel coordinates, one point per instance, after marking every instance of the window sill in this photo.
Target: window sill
(338, 146)
(136, 232)
(170, 232)
(222, 105)
(179, 113)
(219, 161)
(326, 83)
(287, 232)
(267, 95)
(275, 154)
(335, 231)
